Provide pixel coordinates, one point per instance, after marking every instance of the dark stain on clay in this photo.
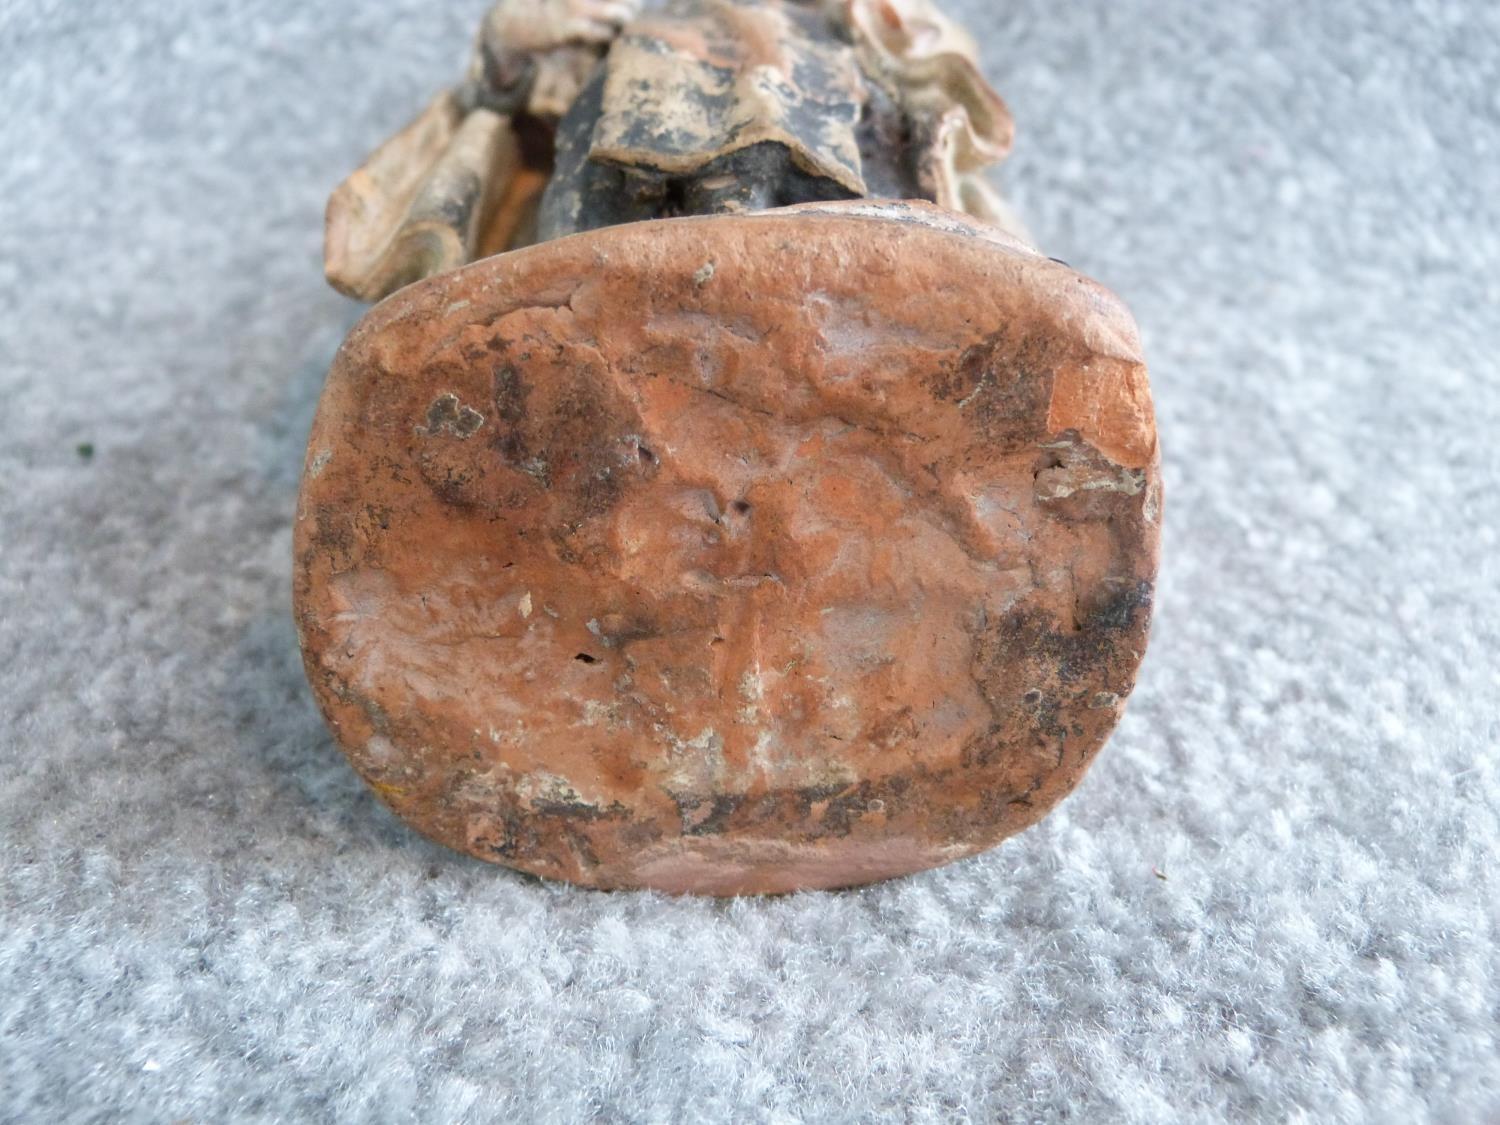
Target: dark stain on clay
(447, 415)
(578, 810)
(1005, 385)
(509, 395)
(707, 816)
(1123, 613)
(1058, 662)
(451, 478)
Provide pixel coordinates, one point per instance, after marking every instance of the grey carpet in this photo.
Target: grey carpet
(204, 916)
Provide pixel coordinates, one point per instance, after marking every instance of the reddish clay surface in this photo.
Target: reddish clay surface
(732, 554)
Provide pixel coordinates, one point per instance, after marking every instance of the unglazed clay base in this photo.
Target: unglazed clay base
(732, 554)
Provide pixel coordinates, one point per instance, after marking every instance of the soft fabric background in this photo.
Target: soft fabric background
(203, 914)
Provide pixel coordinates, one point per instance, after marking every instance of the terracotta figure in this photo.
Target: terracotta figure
(724, 497)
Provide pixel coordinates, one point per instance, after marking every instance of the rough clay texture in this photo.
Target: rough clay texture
(732, 554)
(206, 915)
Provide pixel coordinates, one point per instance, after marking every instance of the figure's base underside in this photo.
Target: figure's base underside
(735, 554)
